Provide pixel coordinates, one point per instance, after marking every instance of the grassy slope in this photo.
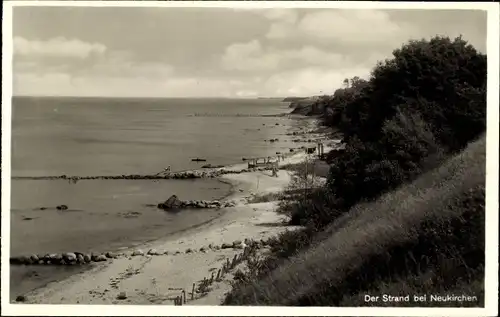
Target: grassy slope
(423, 236)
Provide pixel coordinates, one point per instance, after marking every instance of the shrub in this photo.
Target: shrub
(402, 122)
(443, 80)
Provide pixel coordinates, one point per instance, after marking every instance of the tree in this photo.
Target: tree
(346, 83)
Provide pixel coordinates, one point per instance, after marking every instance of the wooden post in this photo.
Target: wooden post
(233, 264)
(306, 179)
(218, 275)
(184, 296)
(192, 293)
(212, 278)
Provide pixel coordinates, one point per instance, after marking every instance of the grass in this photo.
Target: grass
(317, 167)
(426, 236)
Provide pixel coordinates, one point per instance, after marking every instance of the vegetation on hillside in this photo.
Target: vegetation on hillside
(403, 207)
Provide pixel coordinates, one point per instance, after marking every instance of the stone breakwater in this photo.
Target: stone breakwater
(78, 258)
(199, 204)
(175, 175)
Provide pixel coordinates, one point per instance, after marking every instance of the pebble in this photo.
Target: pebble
(153, 252)
(121, 296)
(101, 258)
(137, 252)
(237, 242)
(21, 298)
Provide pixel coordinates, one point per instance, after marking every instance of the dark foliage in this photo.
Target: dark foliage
(427, 102)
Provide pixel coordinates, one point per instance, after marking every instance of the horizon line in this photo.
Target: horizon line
(160, 97)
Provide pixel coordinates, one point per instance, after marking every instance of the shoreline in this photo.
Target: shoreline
(40, 276)
(240, 180)
(214, 231)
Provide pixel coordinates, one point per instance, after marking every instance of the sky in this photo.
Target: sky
(214, 52)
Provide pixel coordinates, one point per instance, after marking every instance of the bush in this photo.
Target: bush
(406, 120)
(443, 80)
(402, 122)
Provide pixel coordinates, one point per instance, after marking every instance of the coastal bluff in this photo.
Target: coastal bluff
(305, 106)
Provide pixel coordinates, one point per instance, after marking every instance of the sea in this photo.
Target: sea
(105, 136)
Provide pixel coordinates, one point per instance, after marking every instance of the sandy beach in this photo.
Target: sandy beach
(157, 279)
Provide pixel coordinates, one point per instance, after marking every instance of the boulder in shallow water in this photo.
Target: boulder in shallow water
(62, 207)
(69, 257)
(34, 258)
(56, 258)
(80, 259)
(172, 203)
(101, 258)
(110, 255)
(87, 258)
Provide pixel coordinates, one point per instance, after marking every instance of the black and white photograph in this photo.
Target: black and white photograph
(243, 155)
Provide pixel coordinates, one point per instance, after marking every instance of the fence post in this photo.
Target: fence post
(184, 295)
(233, 263)
(306, 179)
(192, 294)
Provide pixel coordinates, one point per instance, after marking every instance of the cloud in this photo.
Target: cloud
(282, 15)
(351, 27)
(237, 52)
(310, 81)
(57, 47)
(122, 65)
(74, 67)
(253, 57)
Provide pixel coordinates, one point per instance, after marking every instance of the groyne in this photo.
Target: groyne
(174, 175)
(79, 258)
